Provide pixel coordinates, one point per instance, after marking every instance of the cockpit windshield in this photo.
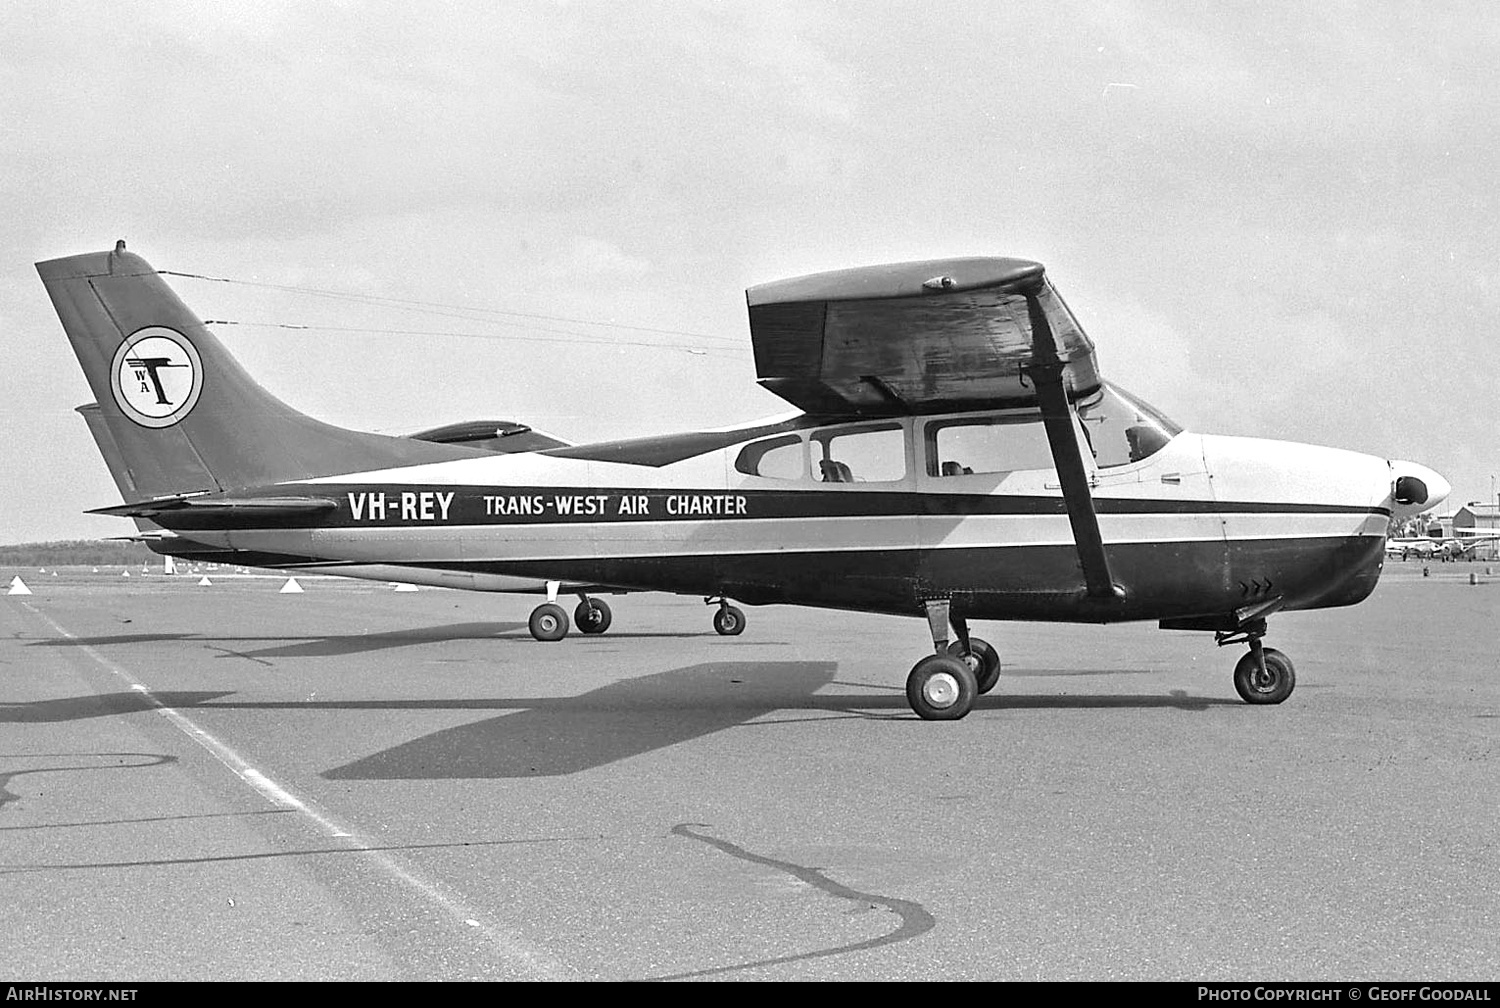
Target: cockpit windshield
(1121, 429)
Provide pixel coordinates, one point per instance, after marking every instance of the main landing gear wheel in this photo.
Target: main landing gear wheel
(548, 622)
(983, 660)
(592, 616)
(1273, 685)
(729, 621)
(941, 688)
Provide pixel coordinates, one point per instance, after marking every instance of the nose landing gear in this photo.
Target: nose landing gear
(1263, 675)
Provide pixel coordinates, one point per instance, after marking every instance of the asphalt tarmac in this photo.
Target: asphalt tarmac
(225, 782)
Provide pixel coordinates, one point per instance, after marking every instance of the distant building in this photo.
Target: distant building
(1478, 519)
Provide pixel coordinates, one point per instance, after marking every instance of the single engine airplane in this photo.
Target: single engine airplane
(954, 455)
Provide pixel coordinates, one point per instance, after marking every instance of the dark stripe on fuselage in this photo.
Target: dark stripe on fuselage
(426, 505)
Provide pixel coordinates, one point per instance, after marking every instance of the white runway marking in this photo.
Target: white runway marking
(534, 962)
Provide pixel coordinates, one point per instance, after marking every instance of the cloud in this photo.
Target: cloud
(592, 257)
(1286, 201)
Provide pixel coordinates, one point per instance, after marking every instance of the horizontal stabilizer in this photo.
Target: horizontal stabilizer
(502, 436)
(226, 508)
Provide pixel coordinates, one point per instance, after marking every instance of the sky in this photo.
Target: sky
(1273, 219)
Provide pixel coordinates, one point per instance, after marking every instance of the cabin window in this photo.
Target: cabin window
(991, 444)
(776, 458)
(873, 454)
(1121, 429)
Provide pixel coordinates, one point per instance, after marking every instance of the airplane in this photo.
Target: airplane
(1450, 548)
(954, 455)
(1406, 547)
(1460, 546)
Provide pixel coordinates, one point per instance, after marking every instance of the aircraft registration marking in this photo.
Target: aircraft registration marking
(409, 505)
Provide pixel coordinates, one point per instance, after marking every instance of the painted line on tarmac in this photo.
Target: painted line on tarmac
(531, 960)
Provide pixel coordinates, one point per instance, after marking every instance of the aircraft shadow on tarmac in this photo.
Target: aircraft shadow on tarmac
(288, 646)
(556, 736)
(81, 708)
(106, 641)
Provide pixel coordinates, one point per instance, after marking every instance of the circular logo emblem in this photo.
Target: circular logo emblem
(157, 376)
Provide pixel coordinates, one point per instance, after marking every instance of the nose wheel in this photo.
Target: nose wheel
(1262, 675)
(1268, 681)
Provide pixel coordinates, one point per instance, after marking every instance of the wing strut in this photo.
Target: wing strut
(1046, 373)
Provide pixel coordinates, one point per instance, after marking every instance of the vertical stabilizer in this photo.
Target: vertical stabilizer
(177, 408)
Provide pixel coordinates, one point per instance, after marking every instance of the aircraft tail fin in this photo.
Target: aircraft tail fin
(176, 413)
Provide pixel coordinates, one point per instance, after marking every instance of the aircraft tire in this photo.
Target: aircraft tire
(593, 616)
(982, 659)
(1281, 678)
(729, 621)
(549, 622)
(941, 688)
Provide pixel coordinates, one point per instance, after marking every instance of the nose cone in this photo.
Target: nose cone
(1415, 488)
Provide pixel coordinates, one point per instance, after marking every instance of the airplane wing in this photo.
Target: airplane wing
(935, 336)
(919, 337)
(1468, 542)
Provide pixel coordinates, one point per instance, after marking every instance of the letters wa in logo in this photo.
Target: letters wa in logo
(157, 376)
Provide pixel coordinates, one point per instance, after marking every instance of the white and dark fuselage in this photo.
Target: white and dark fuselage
(1202, 525)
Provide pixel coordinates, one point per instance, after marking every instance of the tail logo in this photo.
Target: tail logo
(157, 376)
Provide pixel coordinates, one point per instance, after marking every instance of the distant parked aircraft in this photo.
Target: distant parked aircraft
(1451, 548)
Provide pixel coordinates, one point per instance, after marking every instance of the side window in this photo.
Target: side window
(874, 454)
(777, 458)
(986, 445)
(1121, 429)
